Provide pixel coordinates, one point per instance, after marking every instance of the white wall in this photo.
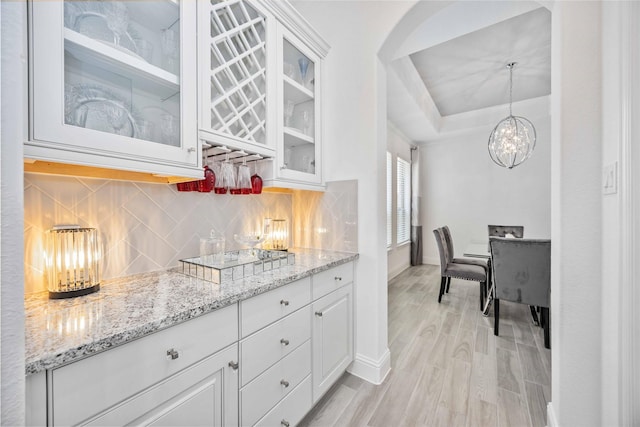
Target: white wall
(464, 189)
(13, 87)
(354, 141)
(576, 227)
(398, 256)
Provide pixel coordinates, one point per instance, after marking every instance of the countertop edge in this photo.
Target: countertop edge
(71, 355)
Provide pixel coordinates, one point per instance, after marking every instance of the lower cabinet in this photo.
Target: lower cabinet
(297, 340)
(332, 338)
(203, 394)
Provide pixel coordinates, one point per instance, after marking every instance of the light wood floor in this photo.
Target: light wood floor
(448, 369)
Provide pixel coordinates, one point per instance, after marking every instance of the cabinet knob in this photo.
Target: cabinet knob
(173, 354)
(338, 279)
(284, 342)
(284, 302)
(285, 383)
(319, 313)
(191, 149)
(233, 365)
(284, 423)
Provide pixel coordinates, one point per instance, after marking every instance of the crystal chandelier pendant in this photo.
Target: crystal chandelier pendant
(513, 139)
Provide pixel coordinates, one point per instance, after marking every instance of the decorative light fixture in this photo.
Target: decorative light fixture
(72, 258)
(513, 139)
(279, 234)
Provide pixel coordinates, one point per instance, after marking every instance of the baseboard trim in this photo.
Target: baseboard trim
(431, 260)
(397, 271)
(551, 416)
(373, 371)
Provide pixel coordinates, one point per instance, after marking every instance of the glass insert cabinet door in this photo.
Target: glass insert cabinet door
(299, 142)
(107, 77)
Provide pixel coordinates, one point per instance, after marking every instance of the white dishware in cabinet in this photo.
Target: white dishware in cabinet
(110, 85)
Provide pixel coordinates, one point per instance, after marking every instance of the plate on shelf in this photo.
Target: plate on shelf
(89, 19)
(97, 108)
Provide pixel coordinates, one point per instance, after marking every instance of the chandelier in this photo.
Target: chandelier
(513, 139)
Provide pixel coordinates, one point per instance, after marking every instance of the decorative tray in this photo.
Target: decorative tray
(236, 264)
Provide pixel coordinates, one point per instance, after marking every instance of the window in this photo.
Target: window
(404, 201)
(389, 199)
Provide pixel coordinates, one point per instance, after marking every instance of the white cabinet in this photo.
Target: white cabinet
(299, 137)
(260, 72)
(236, 96)
(113, 85)
(332, 338)
(155, 378)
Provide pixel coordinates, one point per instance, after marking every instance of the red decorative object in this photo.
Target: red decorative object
(256, 184)
(206, 185)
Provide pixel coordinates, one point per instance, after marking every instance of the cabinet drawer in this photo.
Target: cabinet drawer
(269, 345)
(87, 387)
(291, 410)
(259, 311)
(332, 279)
(264, 392)
(191, 397)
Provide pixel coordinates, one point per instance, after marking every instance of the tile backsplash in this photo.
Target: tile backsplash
(147, 227)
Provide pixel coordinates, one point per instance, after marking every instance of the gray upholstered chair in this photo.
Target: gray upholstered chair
(522, 273)
(470, 261)
(449, 269)
(503, 230)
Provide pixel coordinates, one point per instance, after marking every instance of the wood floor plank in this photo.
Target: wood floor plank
(506, 339)
(463, 345)
(509, 370)
(363, 405)
(512, 411)
(482, 413)
(484, 378)
(533, 369)
(331, 409)
(447, 418)
(455, 388)
(537, 403)
(424, 399)
(451, 323)
(440, 353)
(393, 405)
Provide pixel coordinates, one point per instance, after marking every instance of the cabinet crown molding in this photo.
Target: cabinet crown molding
(289, 16)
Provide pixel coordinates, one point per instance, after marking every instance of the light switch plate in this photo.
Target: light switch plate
(610, 178)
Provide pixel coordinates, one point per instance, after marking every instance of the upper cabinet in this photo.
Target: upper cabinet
(259, 65)
(299, 83)
(235, 98)
(113, 85)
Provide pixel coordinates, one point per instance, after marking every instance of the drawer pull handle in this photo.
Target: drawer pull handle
(319, 313)
(284, 423)
(233, 365)
(338, 279)
(284, 342)
(284, 383)
(284, 302)
(173, 354)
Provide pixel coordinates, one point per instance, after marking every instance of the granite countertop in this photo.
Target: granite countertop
(61, 331)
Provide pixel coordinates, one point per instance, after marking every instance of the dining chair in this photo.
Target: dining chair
(503, 230)
(479, 262)
(522, 274)
(449, 269)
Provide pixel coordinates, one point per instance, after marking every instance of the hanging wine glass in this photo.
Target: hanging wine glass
(244, 177)
(256, 181)
(219, 184)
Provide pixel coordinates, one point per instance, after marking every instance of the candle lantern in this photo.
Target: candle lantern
(279, 234)
(72, 261)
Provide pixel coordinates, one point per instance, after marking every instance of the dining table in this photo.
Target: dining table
(481, 250)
